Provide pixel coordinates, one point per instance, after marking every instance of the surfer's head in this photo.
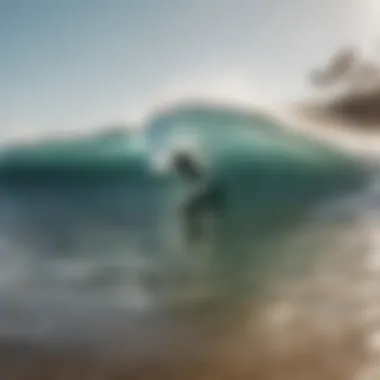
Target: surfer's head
(187, 165)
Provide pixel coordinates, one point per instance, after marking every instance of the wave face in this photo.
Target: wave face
(271, 174)
(86, 221)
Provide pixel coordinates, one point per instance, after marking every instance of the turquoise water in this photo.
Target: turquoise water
(272, 177)
(88, 222)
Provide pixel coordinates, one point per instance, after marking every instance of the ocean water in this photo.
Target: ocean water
(91, 229)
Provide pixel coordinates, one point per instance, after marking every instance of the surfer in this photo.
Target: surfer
(205, 195)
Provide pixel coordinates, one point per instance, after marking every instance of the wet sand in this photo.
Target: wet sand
(206, 343)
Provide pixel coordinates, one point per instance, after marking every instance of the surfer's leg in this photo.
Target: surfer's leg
(206, 199)
(193, 211)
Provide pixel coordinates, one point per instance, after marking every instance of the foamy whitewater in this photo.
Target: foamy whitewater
(90, 229)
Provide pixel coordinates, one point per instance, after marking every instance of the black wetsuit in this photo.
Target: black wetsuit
(206, 196)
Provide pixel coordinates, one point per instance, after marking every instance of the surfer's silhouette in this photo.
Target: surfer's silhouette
(206, 195)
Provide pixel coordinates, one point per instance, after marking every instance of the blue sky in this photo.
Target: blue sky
(80, 63)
